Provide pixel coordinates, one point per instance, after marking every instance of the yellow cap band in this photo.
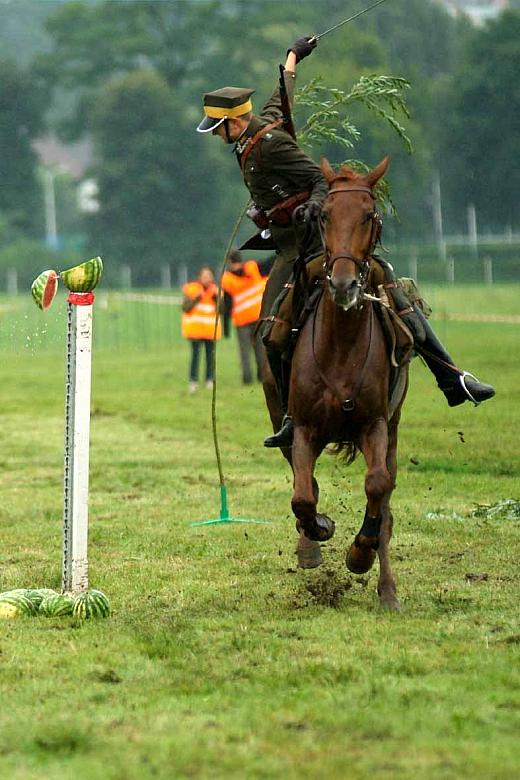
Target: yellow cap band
(216, 112)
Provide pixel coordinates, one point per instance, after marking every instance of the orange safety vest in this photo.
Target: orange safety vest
(246, 291)
(199, 322)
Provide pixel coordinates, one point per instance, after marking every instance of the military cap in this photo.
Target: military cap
(225, 103)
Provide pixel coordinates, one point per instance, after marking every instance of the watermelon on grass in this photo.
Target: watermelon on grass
(91, 604)
(44, 288)
(36, 595)
(83, 278)
(14, 603)
(57, 605)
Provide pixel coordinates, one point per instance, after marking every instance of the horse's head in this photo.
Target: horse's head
(350, 225)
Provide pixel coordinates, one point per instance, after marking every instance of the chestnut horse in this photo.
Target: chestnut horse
(340, 377)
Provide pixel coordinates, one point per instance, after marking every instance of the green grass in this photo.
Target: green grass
(221, 659)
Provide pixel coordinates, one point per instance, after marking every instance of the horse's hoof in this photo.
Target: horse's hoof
(390, 603)
(360, 559)
(327, 527)
(308, 552)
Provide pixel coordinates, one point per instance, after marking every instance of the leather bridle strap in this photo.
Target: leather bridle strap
(352, 189)
(360, 261)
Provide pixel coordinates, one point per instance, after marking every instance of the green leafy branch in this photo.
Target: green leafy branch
(328, 119)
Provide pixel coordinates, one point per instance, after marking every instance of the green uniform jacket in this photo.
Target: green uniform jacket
(277, 168)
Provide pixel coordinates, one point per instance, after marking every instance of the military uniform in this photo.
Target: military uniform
(280, 178)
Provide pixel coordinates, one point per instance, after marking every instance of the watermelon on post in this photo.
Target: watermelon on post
(83, 278)
(57, 605)
(91, 604)
(44, 288)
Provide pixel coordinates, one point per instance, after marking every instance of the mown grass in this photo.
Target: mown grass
(221, 659)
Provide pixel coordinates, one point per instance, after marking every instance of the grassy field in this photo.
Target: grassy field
(221, 659)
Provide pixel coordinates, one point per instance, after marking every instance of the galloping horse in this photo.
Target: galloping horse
(340, 381)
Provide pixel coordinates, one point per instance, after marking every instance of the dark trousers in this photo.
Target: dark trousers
(196, 346)
(247, 343)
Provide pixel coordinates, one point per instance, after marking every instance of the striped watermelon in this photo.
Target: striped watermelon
(44, 289)
(91, 603)
(36, 595)
(57, 605)
(14, 603)
(83, 278)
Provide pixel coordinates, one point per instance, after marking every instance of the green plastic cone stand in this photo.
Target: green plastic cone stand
(224, 513)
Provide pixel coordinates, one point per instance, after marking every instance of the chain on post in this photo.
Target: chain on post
(67, 482)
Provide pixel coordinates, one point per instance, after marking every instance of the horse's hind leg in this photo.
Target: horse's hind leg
(378, 484)
(313, 527)
(386, 585)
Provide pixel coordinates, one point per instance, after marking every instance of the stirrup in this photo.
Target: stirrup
(462, 380)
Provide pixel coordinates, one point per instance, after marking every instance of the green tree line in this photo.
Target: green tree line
(130, 75)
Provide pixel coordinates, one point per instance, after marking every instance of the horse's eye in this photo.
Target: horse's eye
(369, 217)
(324, 217)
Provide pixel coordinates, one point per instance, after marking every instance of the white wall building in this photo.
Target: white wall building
(479, 11)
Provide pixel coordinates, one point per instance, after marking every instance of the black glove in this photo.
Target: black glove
(310, 210)
(303, 47)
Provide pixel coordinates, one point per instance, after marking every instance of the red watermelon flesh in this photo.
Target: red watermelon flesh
(44, 289)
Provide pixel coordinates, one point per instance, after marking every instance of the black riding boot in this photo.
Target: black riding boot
(458, 386)
(281, 370)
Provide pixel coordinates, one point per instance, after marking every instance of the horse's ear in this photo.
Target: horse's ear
(378, 172)
(327, 169)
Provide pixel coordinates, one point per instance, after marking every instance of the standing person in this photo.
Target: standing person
(199, 308)
(281, 179)
(245, 284)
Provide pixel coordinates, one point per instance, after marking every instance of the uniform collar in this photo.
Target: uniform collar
(240, 144)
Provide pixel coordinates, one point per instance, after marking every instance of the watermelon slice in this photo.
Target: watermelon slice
(44, 289)
(83, 278)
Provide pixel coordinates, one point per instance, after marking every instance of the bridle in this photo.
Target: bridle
(362, 262)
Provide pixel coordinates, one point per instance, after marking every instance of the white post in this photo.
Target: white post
(437, 216)
(182, 274)
(126, 277)
(488, 270)
(77, 439)
(166, 276)
(450, 270)
(412, 265)
(472, 229)
(12, 281)
(51, 231)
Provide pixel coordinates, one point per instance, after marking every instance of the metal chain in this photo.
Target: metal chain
(67, 486)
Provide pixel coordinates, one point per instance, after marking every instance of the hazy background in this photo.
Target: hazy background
(99, 154)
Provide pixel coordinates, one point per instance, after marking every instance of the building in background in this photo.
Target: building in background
(479, 11)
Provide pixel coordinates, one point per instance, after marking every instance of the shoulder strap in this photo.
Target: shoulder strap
(255, 139)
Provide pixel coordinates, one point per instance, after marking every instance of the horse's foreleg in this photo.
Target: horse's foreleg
(378, 481)
(312, 526)
(386, 585)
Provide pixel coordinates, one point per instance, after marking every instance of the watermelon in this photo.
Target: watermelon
(83, 278)
(44, 289)
(57, 605)
(36, 595)
(14, 603)
(91, 603)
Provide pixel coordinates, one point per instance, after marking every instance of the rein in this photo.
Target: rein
(349, 404)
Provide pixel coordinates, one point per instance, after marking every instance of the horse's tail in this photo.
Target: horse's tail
(347, 450)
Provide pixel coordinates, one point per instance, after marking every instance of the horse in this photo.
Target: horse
(342, 390)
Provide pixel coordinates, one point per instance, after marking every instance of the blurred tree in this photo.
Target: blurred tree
(22, 104)
(481, 133)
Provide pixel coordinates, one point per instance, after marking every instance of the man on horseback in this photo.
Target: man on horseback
(288, 189)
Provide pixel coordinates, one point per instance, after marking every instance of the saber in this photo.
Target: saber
(346, 21)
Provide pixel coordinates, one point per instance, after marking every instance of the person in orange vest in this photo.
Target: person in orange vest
(245, 284)
(199, 308)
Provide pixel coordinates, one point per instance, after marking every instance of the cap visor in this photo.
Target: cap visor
(208, 124)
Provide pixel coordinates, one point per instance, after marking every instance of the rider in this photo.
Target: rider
(282, 178)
